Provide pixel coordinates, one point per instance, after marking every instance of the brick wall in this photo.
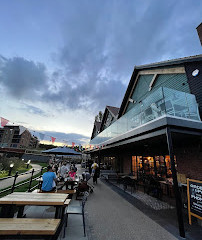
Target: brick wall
(127, 163)
(189, 162)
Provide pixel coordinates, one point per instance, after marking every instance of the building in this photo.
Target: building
(159, 96)
(199, 31)
(110, 116)
(13, 137)
(96, 129)
(158, 133)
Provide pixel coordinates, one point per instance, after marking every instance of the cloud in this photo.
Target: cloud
(34, 110)
(101, 46)
(22, 78)
(67, 138)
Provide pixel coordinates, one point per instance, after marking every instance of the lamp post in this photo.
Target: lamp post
(10, 169)
(28, 163)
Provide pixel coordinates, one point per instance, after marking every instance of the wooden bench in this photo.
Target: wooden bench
(16, 228)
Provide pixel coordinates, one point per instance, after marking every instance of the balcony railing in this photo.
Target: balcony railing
(164, 101)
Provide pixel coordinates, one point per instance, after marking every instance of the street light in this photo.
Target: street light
(10, 169)
(28, 163)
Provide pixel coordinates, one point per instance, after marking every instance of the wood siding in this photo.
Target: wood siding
(195, 83)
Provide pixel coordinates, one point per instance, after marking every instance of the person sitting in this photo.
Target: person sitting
(49, 180)
(72, 173)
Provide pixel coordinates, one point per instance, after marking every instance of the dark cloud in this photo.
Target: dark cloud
(23, 79)
(102, 44)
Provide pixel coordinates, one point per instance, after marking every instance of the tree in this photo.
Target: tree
(98, 118)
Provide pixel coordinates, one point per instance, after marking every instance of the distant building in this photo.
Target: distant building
(10, 137)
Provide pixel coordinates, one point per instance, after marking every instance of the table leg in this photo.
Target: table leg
(20, 212)
(58, 212)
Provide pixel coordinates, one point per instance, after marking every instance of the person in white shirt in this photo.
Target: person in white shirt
(63, 170)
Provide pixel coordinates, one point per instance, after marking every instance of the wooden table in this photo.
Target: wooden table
(36, 199)
(71, 182)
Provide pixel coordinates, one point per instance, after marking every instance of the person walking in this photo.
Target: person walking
(95, 172)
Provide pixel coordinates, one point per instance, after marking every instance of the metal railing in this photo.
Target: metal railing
(29, 180)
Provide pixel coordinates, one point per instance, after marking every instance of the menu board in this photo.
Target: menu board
(194, 192)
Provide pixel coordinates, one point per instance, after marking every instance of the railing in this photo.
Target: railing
(29, 180)
(164, 101)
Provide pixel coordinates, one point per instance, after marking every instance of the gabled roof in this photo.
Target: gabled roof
(114, 112)
(172, 62)
(96, 128)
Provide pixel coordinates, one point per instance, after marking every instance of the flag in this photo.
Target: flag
(73, 143)
(4, 122)
(53, 139)
(41, 135)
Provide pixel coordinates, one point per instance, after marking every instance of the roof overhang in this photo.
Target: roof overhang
(154, 128)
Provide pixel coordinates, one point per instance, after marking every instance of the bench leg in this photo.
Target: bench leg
(20, 212)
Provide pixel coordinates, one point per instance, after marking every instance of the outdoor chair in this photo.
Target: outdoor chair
(79, 210)
(127, 181)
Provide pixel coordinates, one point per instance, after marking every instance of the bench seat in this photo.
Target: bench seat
(28, 226)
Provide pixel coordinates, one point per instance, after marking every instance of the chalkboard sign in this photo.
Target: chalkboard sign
(194, 192)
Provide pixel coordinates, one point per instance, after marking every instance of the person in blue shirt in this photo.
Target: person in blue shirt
(49, 179)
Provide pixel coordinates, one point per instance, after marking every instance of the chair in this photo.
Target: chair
(77, 210)
(127, 182)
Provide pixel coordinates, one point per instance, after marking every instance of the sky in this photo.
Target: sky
(61, 62)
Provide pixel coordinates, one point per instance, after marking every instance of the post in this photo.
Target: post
(30, 182)
(10, 169)
(39, 185)
(175, 183)
(13, 187)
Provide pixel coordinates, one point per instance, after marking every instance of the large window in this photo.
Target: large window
(157, 166)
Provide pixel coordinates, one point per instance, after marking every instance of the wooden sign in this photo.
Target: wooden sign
(194, 196)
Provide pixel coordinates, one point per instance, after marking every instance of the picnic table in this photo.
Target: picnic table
(23, 199)
(71, 181)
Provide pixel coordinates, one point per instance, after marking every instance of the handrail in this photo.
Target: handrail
(21, 174)
(30, 180)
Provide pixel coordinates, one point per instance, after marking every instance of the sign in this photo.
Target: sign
(194, 195)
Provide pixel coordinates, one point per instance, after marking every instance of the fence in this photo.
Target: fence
(29, 180)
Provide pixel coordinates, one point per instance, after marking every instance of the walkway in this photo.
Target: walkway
(111, 217)
(8, 182)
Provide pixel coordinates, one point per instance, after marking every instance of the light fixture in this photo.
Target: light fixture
(131, 100)
(195, 72)
(10, 169)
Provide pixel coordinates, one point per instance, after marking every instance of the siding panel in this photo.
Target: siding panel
(195, 83)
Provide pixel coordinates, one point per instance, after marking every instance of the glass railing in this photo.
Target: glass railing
(164, 101)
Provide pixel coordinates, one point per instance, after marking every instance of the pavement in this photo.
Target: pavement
(111, 217)
(8, 182)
